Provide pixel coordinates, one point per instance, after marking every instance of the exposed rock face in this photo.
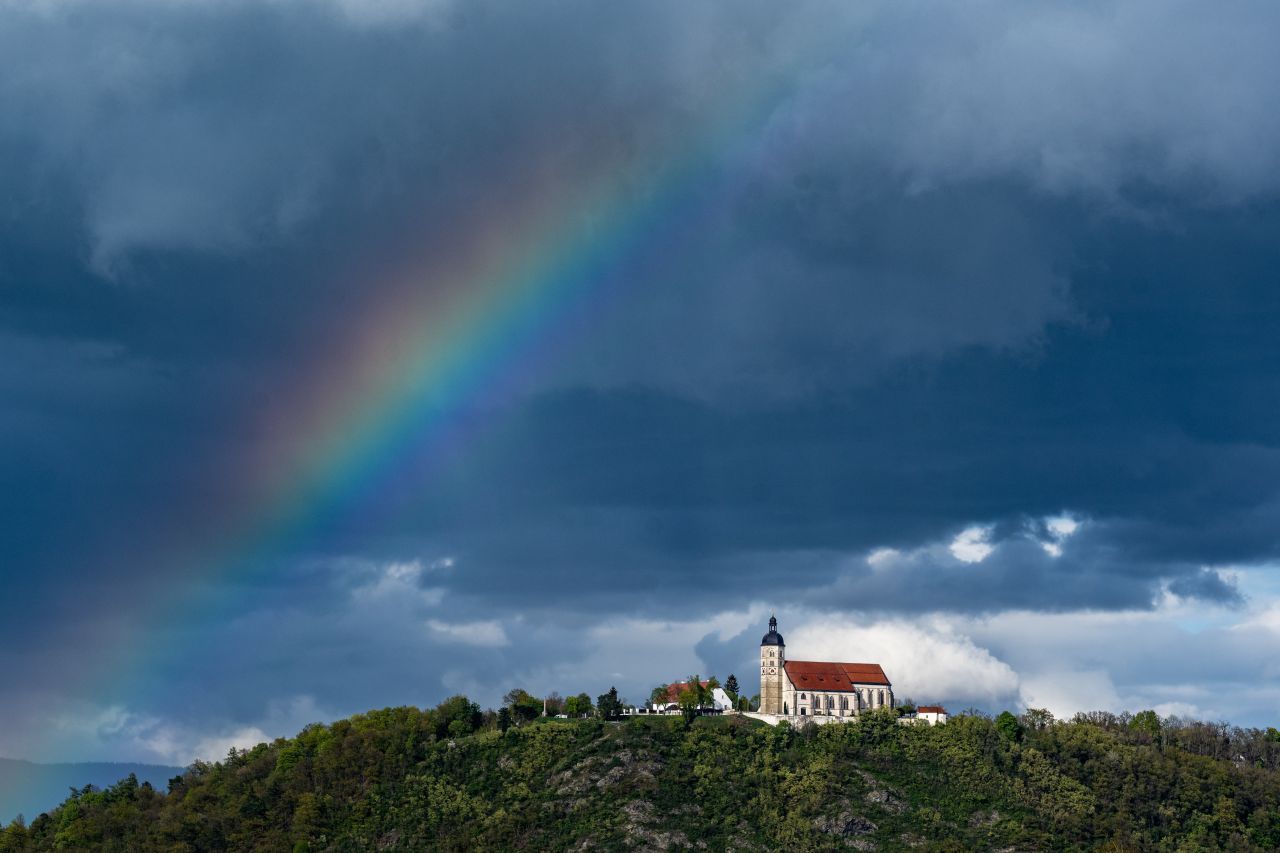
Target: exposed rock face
(881, 795)
(639, 769)
(885, 799)
(630, 767)
(641, 834)
(985, 818)
(846, 823)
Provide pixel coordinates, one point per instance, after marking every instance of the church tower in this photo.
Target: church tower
(773, 654)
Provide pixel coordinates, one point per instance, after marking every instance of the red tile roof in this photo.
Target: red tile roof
(834, 677)
(674, 690)
(930, 709)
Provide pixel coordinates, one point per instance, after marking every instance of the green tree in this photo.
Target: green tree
(607, 704)
(1037, 719)
(1147, 722)
(457, 709)
(15, 837)
(731, 687)
(504, 719)
(658, 695)
(879, 726)
(689, 704)
(524, 706)
(1007, 725)
(700, 692)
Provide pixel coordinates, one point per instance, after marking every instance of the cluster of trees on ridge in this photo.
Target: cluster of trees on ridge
(520, 706)
(697, 694)
(451, 778)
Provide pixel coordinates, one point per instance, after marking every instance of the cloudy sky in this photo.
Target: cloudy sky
(360, 353)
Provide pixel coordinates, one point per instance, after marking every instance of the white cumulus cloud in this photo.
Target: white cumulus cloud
(972, 545)
(927, 661)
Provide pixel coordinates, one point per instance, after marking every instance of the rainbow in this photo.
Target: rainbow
(453, 327)
(465, 322)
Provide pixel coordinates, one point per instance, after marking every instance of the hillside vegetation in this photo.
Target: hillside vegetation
(405, 779)
(29, 788)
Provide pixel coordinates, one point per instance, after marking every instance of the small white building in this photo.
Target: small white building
(925, 715)
(931, 714)
(720, 701)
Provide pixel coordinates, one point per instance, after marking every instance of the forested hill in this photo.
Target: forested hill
(28, 788)
(404, 779)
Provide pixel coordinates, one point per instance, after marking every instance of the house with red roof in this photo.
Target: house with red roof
(718, 701)
(823, 689)
(931, 714)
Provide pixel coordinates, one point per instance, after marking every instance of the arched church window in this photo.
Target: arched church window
(802, 697)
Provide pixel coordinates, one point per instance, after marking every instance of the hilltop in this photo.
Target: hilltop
(405, 779)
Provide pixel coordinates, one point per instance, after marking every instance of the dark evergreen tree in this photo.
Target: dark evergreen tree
(608, 706)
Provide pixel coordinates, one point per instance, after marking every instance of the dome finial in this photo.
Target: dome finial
(773, 638)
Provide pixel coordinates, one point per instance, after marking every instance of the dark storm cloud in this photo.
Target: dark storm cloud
(221, 126)
(966, 266)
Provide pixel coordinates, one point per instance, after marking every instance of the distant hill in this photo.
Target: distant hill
(27, 788)
(404, 779)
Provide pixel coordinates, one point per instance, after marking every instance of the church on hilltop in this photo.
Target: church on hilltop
(801, 688)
